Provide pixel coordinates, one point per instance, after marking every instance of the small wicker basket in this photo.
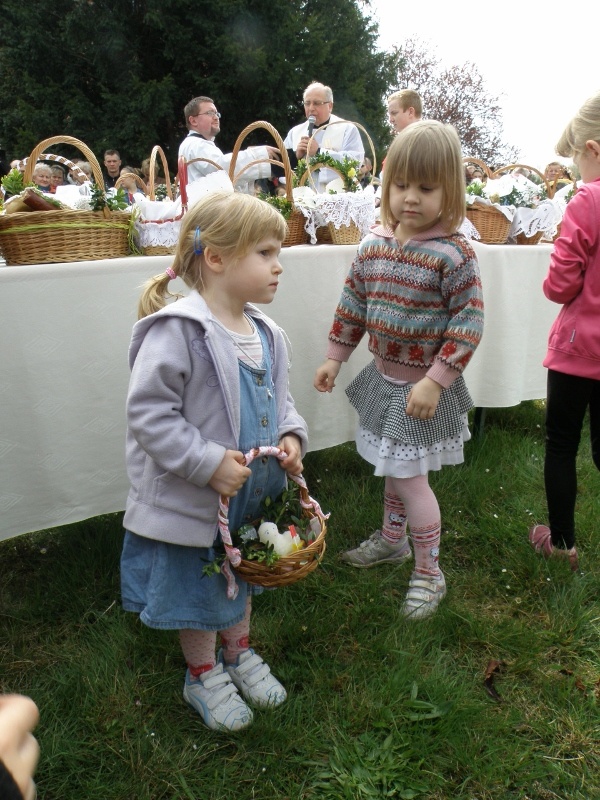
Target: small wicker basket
(520, 238)
(171, 224)
(491, 224)
(345, 234)
(288, 569)
(296, 221)
(47, 237)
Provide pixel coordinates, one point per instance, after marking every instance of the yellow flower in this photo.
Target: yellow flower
(351, 172)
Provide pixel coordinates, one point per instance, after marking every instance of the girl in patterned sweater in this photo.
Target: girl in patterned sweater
(414, 289)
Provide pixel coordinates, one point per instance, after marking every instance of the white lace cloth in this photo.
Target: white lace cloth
(338, 209)
(544, 217)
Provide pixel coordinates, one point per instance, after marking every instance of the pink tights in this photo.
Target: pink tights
(412, 501)
(199, 646)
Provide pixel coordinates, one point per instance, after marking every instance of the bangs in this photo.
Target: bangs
(415, 165)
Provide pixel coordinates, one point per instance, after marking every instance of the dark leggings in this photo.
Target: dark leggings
(569, 397)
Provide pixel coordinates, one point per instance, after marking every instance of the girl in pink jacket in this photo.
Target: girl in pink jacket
(573, 357)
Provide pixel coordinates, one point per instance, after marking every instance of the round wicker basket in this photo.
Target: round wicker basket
(47, 237)
(287, 569)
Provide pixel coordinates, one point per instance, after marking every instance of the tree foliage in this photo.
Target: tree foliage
(117, 73)
(456, 95)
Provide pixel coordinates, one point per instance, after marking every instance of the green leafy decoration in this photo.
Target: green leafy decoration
(347, 166)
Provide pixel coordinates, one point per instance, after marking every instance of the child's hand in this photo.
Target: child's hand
(293, 462)
(230, 475)
(326, 374)
(423, 399)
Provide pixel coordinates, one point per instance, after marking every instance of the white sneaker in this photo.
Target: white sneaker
(255, 681)
(424, 595)
(216, 699)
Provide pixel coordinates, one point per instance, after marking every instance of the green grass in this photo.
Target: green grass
(378, 707)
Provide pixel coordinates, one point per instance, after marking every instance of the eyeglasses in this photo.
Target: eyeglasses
(317, 103)
(209, 114)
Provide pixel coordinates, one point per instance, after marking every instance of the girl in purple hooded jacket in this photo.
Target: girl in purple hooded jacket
(209, 382)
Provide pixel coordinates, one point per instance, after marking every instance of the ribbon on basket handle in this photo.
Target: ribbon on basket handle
(233, 556)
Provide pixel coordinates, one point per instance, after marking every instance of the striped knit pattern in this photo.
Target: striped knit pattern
(418, 303)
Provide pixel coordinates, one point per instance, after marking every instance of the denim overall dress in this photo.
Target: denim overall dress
(163, 582)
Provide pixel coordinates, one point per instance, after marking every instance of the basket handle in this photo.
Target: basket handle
(232, 554)
(60, 160)
(285, 159)
(39, 149)
(157, 149)
(549, 190)
(288, 183)
(481, 164)
(311, 168)
(182, 175)
(140, 181)
(356, 125)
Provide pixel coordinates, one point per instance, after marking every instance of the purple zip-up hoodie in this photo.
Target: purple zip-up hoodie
(183, 413)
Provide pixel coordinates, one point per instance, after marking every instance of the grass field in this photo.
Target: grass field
(378, 706)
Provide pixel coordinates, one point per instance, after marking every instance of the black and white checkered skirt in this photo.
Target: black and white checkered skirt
(381, 406)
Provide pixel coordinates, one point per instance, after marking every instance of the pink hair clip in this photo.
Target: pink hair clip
(171, 273)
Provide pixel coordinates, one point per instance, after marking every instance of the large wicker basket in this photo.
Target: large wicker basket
(288, 569)
(45, 237)
(296, 221)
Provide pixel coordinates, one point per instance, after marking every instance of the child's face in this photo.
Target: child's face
(255, 277)
(416, 206)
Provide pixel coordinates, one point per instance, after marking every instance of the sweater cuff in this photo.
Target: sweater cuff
(443, 374)
(339, 352)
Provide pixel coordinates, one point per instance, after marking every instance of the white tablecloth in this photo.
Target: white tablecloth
(65, 330)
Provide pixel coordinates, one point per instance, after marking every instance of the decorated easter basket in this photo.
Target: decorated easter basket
(339, 232)
(159, 235)
(296, 233)
(329, 233)
(522, 238)
(287, 569)
(47, 237)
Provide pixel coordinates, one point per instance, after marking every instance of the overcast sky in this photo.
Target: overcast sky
(541, 65)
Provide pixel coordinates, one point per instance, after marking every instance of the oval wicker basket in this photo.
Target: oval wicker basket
(287, 569)
(47, 237)
(296, 221)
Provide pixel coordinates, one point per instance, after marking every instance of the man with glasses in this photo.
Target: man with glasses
(202, 120)
(337, 141)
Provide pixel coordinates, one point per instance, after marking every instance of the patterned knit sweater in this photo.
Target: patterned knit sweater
(420, 303)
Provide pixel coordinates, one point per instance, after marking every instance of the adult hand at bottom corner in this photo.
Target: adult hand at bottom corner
(19, 750)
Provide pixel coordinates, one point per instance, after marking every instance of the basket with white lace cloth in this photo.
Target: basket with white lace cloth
(347, 215)
(158, 221)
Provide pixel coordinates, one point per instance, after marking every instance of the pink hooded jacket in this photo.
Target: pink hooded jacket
(574, 279)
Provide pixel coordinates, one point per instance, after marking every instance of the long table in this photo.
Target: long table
(65, 331)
